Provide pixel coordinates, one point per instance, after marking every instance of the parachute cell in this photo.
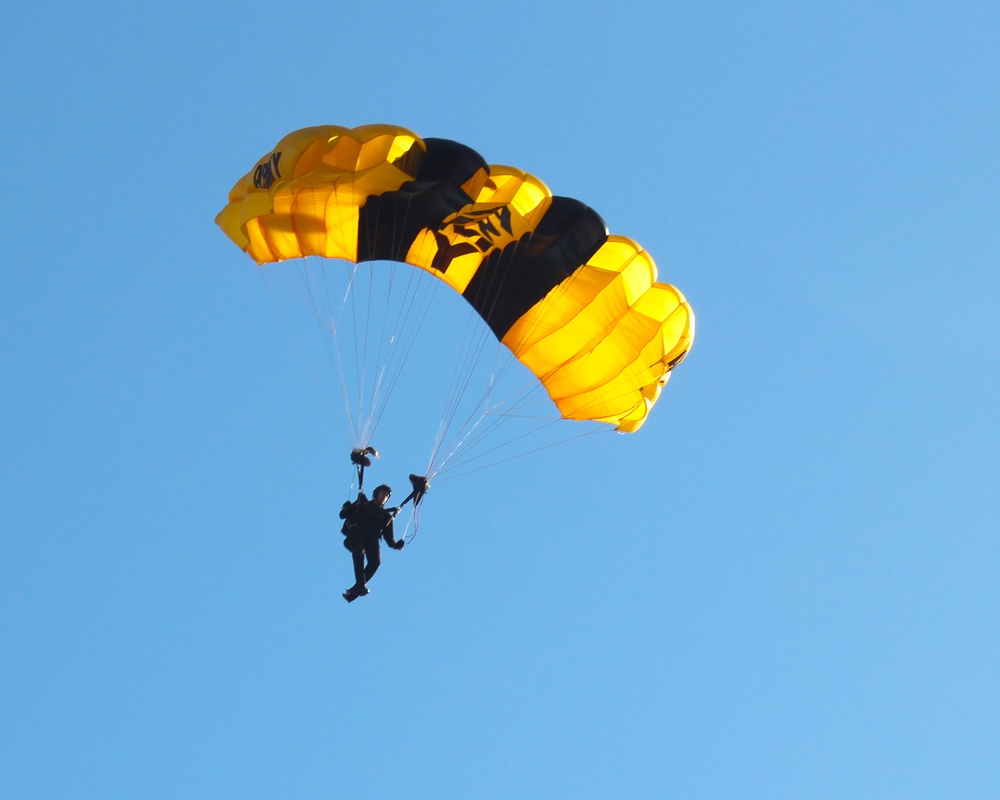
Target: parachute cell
(580, 308)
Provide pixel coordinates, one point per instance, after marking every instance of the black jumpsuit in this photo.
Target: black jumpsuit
(366, 523)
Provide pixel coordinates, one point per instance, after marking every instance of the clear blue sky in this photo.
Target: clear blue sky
(784, 586)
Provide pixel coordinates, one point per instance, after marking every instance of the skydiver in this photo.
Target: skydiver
(365, 523)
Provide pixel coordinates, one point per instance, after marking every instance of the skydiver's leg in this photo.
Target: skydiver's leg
(358, 556)
(374, 559)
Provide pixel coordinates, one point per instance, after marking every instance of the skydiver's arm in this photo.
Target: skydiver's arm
(390, 539)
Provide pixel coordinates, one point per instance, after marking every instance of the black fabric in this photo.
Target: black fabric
(509, 281)
(366, 523)
(512, 280)
(390, 222)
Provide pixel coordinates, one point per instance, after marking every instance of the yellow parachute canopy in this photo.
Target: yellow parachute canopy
(580, 308)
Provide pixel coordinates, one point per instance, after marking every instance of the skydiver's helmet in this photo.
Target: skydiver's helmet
(382, 488)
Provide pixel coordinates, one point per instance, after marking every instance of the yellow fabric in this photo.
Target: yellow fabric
(507, 188)
(603, 342)
(326, 174)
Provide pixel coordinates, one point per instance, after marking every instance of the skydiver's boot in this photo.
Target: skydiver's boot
(355, 592)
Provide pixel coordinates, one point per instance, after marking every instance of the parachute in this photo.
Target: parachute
(581, 309)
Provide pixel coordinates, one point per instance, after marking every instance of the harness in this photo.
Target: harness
(419, 483)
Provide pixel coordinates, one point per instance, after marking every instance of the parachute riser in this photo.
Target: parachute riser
(359, 457)
(420, 486)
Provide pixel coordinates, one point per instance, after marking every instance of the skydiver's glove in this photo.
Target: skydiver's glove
(398, 545)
